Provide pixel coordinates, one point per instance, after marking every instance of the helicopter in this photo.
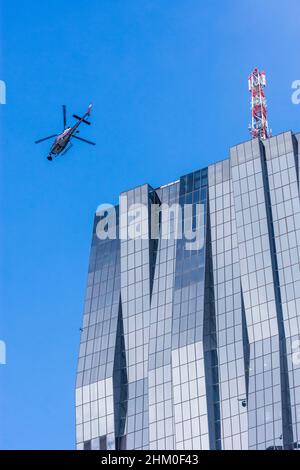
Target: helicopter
(62, 143)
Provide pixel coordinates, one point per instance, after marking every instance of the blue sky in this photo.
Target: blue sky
(168, 80)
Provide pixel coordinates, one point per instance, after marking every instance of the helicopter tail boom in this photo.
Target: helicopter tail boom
(81, 119)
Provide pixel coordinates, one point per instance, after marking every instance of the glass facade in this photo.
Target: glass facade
(193, 347)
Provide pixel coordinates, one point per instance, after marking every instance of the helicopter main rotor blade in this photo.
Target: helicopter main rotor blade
(83, 140)
(45, 138)
(65, 115)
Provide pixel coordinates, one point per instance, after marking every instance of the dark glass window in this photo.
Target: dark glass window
(87, 445)
(103, 443)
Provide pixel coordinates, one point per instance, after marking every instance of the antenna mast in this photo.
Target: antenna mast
(259, 127)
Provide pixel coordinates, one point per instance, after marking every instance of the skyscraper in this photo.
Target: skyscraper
(191, 327)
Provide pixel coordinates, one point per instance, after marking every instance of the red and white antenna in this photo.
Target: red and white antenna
(259, 126)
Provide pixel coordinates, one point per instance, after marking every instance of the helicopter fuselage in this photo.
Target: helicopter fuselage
(62, 140)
